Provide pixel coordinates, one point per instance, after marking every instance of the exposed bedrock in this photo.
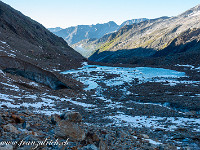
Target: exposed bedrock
(21, 68)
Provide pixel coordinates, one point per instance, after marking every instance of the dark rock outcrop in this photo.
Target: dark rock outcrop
(30, 71)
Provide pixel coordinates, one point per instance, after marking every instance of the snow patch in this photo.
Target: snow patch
(166, 123)
(33, 84)
(120, 75)
(84, 63)
(195, 14)
(13, 87)
(3, 42)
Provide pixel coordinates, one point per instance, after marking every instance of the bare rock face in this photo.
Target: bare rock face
(71, 130)
(31, 51)
(27, 70)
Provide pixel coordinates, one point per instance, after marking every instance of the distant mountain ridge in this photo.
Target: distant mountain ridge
(88, 46)
(77, 33)
(129, 22)
(175, 39)
(55, 29)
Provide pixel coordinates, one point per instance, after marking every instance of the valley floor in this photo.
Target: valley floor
(129, 108)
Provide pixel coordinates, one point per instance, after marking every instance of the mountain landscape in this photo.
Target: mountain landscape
(137, 86)
(164, 36)
(75, 34)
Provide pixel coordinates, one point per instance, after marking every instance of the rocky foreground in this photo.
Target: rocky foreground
(25, 130)
(133, 114)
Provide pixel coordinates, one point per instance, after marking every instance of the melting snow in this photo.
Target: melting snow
(8, 97)
(3, 42)
(156, 122)
(191, 67)
(196, 14)
(56, 70)
(48, 112)
(153, 142)
(33, 83)
(121, 75)
(2, 72)
(13, 87)
(84, 64)
(72, 101)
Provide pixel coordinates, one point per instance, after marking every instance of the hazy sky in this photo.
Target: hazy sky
(65, 13)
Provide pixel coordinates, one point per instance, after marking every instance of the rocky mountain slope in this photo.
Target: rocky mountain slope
(30, 50)
(151, 36)
(89, 46)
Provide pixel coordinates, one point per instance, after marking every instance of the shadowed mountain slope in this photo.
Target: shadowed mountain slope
(25, 40)
(177, 37)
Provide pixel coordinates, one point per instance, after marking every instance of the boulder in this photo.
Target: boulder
(10, 128)
(17, 119)
(91, 138)
(145, 136)
(55, 118)
(2, 120)
(71, 130)
(102, 145)
(73, 116)
(90, 147)
(6, 147)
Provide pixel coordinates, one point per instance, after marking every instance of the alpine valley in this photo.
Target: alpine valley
(161, 41)
(116, 87)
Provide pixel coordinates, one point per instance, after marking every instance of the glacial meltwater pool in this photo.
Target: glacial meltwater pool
(91, 75)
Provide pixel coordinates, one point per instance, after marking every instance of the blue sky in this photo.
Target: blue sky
(65, 13)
